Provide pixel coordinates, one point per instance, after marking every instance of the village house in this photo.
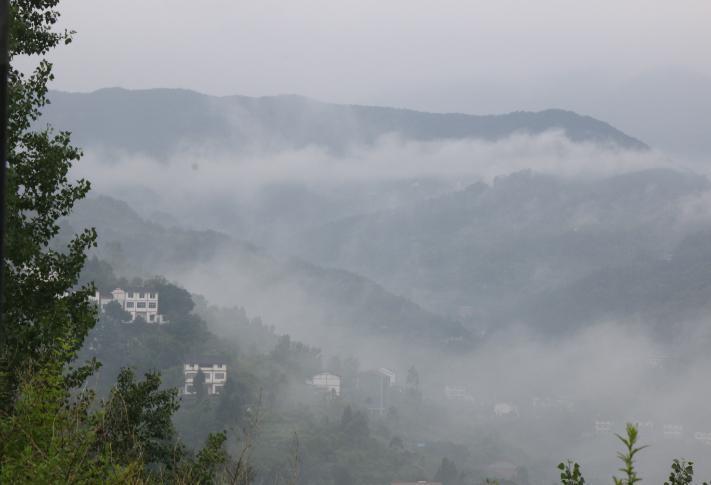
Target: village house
(327, 383)
(139, 303)
(672, 431)
(215, 377)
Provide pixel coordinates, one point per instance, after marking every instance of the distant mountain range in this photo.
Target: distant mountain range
(161, 122)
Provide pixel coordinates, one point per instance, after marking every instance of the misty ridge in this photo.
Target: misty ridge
(529, 257)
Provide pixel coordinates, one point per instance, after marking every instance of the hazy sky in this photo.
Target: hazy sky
(438, 54)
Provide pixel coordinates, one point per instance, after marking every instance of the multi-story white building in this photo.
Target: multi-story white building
(375, 387)
(327, 382)
(215, 377)
(140, 303)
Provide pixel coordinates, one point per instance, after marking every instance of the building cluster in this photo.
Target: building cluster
(139, 303)
(215, 378)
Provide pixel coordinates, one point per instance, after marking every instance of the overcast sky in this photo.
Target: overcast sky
(424, 54)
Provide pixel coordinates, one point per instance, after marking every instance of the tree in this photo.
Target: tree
(175, 302)
(447, 472)
(137, 421)
(354, 424)
(413, 378)
(50, 438)
(232, 402)
(115, 311)
(199, 385)
(44, 315)
(50, 431)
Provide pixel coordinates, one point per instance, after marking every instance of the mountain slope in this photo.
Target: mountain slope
(295, 296)
(491, 252)
(161, 122)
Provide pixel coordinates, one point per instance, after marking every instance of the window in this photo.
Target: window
(219, 375)
(129, 304)
(141, 304)
(150, 317)
(152, 304)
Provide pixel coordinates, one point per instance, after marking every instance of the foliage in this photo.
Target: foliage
(682, 473)
(51, 438)
(570, 474)
(50, 431)
(44, 316)
(175, 302)
(115, 311)
(628, 455)
(137, 419)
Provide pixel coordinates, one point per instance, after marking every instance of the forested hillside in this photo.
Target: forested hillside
(554, 253)
(310, 298)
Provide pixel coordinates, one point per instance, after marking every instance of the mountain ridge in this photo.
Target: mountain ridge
(159, 122)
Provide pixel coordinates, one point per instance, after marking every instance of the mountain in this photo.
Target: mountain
(163, 122)
(335, 306)
(493, 252)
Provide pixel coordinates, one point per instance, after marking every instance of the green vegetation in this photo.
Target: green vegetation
(682, 471)
(52, 430)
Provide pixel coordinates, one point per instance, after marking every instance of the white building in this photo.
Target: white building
(326, 382)
(139, 303)
(602, 427)
(375, 387)
(502, 409)
(215, 377)
(702, 437)
(673, 431)
(455, 392)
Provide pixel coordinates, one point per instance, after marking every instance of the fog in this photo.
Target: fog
(521, 284)
(207, 189)
(616, 365)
